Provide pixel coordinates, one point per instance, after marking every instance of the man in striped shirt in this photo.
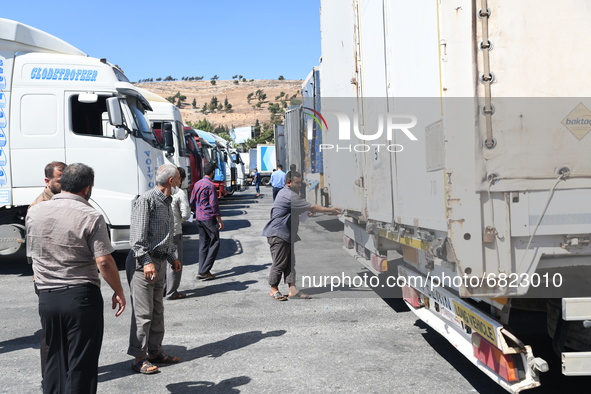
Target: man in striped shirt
(209, 222)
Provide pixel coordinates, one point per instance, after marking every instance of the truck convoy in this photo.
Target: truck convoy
(56, 103)
(457, 134)
(218, 154)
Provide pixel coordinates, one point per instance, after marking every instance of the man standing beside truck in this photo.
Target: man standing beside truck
(256, 181)
(67, 240)
(152, 246)
(53, 176)
(277, 180)
(282, 233)
(209, 221)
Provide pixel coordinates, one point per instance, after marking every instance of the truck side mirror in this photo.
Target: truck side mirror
(114, 111)
(119, 133)
(168, 139)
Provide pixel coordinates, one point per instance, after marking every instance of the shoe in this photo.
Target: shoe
(164, 359)
(177, 296)
(207, 276)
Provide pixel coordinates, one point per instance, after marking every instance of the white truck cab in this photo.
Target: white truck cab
(58, 104)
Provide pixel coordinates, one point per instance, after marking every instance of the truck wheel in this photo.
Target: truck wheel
(265, 181)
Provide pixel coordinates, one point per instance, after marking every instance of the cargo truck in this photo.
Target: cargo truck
(266, 162)
(58, 104)
(217, 153)
(457, 133)
(167, 124)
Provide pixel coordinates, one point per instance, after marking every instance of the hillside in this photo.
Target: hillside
(241, 114)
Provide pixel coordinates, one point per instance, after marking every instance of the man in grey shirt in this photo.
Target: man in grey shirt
(67, 240)
(282, 232)
(152, 246)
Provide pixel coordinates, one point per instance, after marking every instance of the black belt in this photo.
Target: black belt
(61, 288)
(159, 255)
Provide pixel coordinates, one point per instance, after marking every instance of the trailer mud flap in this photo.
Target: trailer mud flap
(481, 338)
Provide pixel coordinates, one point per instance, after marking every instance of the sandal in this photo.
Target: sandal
(301, 296)
(278, 296)
(143, 367)
(164, 359)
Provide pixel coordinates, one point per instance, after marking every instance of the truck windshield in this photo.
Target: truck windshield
(141, 125)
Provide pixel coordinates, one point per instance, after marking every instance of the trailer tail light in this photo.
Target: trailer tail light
(380, 263)
(348, 242)
(503, 365)
(411, 296)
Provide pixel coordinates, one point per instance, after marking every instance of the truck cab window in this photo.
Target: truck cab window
(87, 118)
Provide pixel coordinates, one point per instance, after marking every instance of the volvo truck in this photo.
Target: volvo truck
(58, 104)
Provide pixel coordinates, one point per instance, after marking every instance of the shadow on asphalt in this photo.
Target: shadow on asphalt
(219, 348)
(214, 349)
(331, 225)
(211, 287)
(30, 341)
(232, 212)
(242, 269)
(228, 248)
(229, 224)
(227, 386)
(15, 265)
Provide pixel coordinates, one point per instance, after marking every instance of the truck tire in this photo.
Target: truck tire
(265, 181)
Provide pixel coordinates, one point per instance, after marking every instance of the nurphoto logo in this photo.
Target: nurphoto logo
(389, 123)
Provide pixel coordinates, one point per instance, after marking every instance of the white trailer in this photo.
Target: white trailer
(457, 134)
(58, 104)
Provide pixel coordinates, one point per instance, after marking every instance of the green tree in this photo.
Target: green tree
(274, 108)
(257, 128)
(194, 104)
(267, 134)
(180, 99)
(227, 105)
(281, 78)
(250, 143)
(249, 97)
(213, 103)
(203, 124)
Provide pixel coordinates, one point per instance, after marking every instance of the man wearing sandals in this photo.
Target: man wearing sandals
(282, 233)
(153, 247)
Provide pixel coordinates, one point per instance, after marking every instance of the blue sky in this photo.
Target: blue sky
(182, 38)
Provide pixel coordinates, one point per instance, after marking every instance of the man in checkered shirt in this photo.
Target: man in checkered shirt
(152, 247)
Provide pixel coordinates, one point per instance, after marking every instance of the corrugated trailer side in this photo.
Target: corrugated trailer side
(462, 141)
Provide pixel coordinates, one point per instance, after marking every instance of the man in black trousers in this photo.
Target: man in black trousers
(209, 221)
(67, 240)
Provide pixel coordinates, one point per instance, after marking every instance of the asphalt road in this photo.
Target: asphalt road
(233, 338)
